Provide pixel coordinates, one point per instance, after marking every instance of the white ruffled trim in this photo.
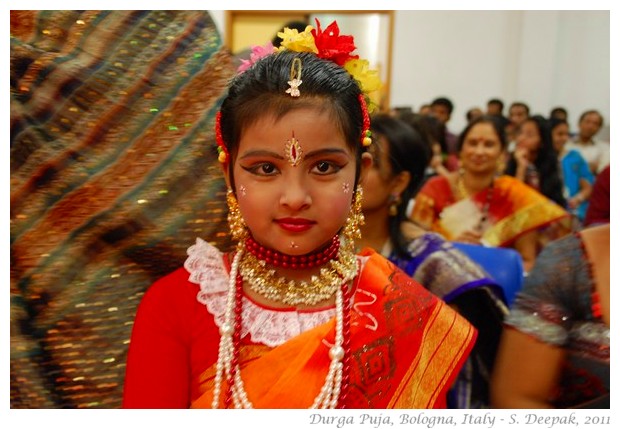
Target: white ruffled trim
(266, 326)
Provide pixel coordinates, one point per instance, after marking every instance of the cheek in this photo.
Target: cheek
(337, 202)
(466, 151)
(252, 204)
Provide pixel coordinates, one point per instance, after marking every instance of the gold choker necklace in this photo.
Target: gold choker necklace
(460, 185)
(263, 280)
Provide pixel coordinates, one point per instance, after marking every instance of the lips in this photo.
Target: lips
(295, 224)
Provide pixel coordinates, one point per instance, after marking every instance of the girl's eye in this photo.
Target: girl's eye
(471, 142)
(267, 168)
(262, 169)
(325, 167)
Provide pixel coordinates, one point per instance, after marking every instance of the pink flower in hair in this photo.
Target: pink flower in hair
(258, 52)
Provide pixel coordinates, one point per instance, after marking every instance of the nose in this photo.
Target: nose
(295, 194)
(479, 146)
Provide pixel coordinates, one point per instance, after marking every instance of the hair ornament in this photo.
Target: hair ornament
(366, 133)
(222, 151)
(295, 80)
(258, 52)
(328, 44)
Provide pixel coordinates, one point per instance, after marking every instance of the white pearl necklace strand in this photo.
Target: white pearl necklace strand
(330, 392)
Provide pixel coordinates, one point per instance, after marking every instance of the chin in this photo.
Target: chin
(480, 170)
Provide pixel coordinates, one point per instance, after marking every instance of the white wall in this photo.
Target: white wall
(544, 58)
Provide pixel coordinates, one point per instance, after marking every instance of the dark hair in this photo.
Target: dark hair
(497, 102)
(521, 104)
(485, 119)
(431, 128)
(546, 163)
(408, 151)
(443, 101)
(261, 90)
(588, 112)
(556, 110)
(470, 114)
(554, 122)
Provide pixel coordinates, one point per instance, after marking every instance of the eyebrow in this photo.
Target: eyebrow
(326, 151)
(262, 152)
(313, 154)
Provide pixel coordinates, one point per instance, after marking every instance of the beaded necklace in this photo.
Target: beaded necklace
(230, 338)
(277, 259)
(255, 269)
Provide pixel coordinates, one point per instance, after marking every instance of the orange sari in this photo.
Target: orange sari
(407, 347)
(514, 208)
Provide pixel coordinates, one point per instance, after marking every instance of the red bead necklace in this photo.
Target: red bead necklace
(282, 260)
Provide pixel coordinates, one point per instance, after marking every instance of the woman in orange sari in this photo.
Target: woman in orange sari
(474, 205)
(293, 318)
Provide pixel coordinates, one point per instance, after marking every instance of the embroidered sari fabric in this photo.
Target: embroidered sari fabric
(406, 345)
(514, 208)
(448, 273)
(556, 306)
(113, 171)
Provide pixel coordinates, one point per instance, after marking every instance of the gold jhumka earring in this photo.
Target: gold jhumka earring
(394, 203)
(351, 230)
(236, 223)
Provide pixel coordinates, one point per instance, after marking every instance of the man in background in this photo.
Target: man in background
(595, 152)
(441, 108)
(495, 107)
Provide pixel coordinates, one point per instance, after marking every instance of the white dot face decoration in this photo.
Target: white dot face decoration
(346, 188)
(293, 151)
(243, 190)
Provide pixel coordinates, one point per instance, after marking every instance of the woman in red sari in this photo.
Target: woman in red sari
(474, 205)
(293, 318)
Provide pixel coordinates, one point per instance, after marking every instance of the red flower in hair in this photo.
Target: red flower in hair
(331, 45)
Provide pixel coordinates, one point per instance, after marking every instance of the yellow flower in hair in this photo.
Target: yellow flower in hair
(367, 79)
(293, 40)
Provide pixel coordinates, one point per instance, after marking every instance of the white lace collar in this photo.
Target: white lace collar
(271, 327)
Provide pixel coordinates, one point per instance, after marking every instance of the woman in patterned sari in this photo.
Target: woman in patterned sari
(400, 156)
(474, 205)
(555, 349)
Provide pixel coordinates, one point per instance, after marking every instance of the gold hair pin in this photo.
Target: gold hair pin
(295, 78)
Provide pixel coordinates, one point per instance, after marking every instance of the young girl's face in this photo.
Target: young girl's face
(379, 182)
(528, 137)
(560, 136)
(294, 198)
